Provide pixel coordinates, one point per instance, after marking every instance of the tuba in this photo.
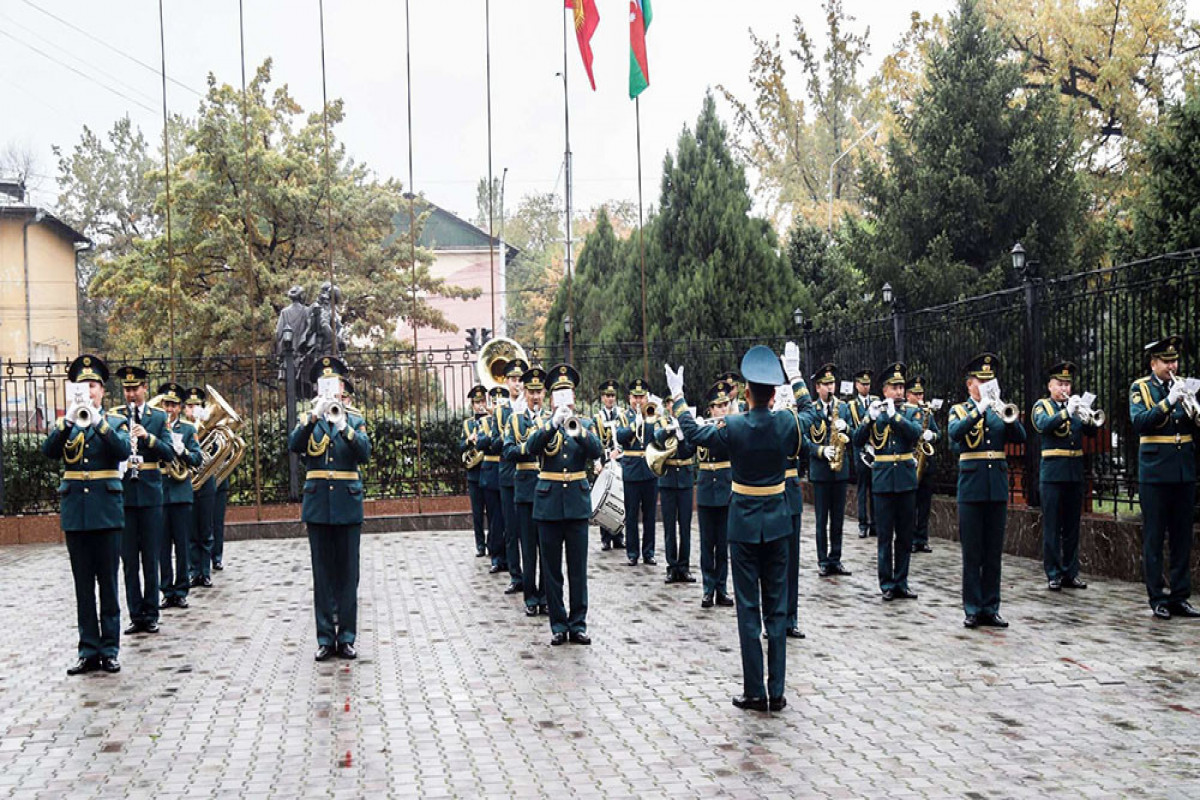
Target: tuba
(221, 448)
(175, 469)
(494, 358)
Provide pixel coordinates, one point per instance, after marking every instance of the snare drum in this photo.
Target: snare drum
(608, 499)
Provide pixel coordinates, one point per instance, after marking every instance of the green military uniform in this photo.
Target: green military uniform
(1166, 482)
(508, 477)
(470, 427)
(639, 483)
(1061, 482)
(527, 465)
(714, 490)
(829, 486)
(859, 405)
(177, 506)
(802, 403)
(490, 441)
(562, 506)
(204, 501)
(220, 502)
(333, 512)
(760, 444)
(931, 433)
(676, 490)
(607, 420)
(92, 515)
(892, 434)
(979, 437)
(141, 539)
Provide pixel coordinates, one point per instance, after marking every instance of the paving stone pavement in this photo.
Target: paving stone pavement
(457, 694)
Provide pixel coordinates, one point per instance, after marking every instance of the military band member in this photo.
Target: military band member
(508, 474)
(713, 494)
(562, 506)
(859, 405)
(640, 484)
(800, 402)
(204, 502)
(219, 505)
(520, 425)
(676, 495)
(91, 445)
(829, 418)
(607, 420)
(470, 428)
(490, 441)
(1166, 476)
(893, 430)
(1062, 422)
(333, 448)
(978, 434)
(736, 389)
(141, 540)
(177, 500)
(760, 444)
(915, 394)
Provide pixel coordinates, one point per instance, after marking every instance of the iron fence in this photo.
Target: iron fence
(1098, 319)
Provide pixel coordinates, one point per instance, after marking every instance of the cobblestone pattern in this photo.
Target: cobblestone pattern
(457, 694)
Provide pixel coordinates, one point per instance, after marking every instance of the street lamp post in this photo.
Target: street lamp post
(869, 131)
(1027, 270)
(568, 329)
(897, 309)
(804, 327)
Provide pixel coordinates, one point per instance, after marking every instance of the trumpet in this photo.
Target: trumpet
(650, 413)
(83, 416)
(1087, 415)
(336, 413)
(573, 427)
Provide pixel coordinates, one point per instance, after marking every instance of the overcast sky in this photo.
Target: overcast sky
(693, 45)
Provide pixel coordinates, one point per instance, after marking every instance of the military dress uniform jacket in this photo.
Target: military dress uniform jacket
(563, 491)
(507, 469)
(607, 432)
(469, 426)
(633, 462)
(760, 443)
(894, 439)
(714, 485)
(92, 498)
(679, 471)
(1166, 449)
(490, 442)
(147, 489)
(818, 434)
(791, 475)
(181, 491)
(526, 464)
(979, 443)
(859, 416)
(333, 490)
(1062, 441)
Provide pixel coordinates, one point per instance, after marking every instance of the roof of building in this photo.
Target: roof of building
(22, 211)
(445, 231)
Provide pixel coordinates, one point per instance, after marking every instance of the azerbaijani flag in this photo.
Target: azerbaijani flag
(639, 68)
(586, 20)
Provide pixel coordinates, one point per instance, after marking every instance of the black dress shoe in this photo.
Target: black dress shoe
(194, 582)
(1162, 612)
(1054, 585)
(110, 664)
(993, 620)
(777, 703)
(181, 602)
(480, 552)
(134, 627)
(905, 594)
(795, 633)
(632, 562)
(724, 600)
(514, 587)
(83, 666)
(687, 577)
(150, 627)
(1073, 583)
(606, 546)
(579, 637)
(619, 543)
(838, 569)
(707, 601)
(650, 562)
(970, 621)
(494, 568)
(558, 638)
(531, 611)
(671, 578)
(922, 548)
(544, 610)
(824, 572)
(206, 582)
(325, 652)
(862, 534)
(888, 595)
(1184, 609)
(218, 566)
(346, 650)
(872, 532)
(750, 703)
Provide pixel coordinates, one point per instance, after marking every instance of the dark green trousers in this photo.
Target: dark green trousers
(512, 532)
(640, 500)
(218, 527)
(495, 526)
(677, 528)
(924, 504)
(141, 543)
(553, 538)
(1167, 516)
(981, 534)
(829, 500)
(173, 572)
(866, 521)
(793, 573)
(760, 590)
(200, 555)
(533, 582)
(714, 548)
(475, 493)
(95, 556)
(334, 550)
(895, 513)
(1062, 505)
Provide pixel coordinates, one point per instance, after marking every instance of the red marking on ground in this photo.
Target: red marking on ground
(1076, 663)
(347, 761)
(1177, 707)
(347, 703)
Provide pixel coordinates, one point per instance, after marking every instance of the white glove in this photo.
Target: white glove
(791, 361)
(983, 404)
(674, 380)
(827, 452)
(928, 436)
(320, 407)
(638, 419)
(71, 412)
(95, 417)
(340, 425)
(1177, 393)
(177, 443)
(560, 416)
(875, 409)
(840, 425)
(1073, 405)
(891, 408)
(519, 406)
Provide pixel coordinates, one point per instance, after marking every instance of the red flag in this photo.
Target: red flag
(586, 20)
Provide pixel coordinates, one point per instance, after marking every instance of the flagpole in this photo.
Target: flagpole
(412, 243)
(333, 325)
(162, 43)
(637, 110)
(487, 27)
(567, 170)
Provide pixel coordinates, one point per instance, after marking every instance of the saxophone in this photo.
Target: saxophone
(837, 440)
(924, 448)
